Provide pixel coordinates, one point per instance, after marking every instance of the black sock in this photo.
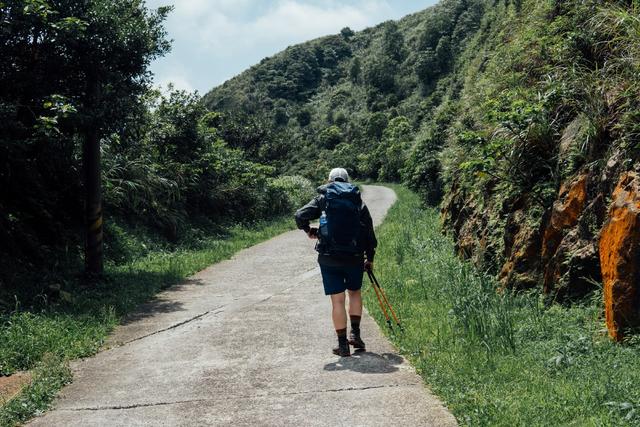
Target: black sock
(355, 324)
(342, 335)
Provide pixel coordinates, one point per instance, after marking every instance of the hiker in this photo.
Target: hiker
(344, 238)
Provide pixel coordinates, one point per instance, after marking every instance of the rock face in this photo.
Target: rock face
(579, 241)
(458, 214)
(576, 244)
(566, 211)
(471, 226)
(557, 251)
(620, 256)
(560, 238)
(522, 247)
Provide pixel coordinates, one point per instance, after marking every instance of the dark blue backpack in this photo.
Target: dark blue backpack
(340, 222)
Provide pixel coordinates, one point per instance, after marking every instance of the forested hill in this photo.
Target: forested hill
(332, 99)
(519, 117)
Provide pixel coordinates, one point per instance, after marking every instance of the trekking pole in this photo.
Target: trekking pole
(377, 286)
(384, 310)
(384, 296)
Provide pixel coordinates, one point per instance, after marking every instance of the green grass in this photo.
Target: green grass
(77, 326)
(499, 359)
(49, 376)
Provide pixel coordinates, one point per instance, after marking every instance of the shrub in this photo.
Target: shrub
(287, 193)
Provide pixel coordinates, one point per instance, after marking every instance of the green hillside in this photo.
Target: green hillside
(517, 117)
(358, 99)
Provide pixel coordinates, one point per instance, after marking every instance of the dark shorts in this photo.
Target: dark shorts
(338, 279)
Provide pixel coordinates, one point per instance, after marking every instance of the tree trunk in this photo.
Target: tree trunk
(93, 188)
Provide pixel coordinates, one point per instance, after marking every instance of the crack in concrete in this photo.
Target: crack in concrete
(181, 402)
(302, 278)
(338, 390)
(174, 326)
(299, 281)
(134, 406)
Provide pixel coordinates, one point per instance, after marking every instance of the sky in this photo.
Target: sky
(214, 40)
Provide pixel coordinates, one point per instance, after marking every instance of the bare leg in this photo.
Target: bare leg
(355, 303)
(338, 314)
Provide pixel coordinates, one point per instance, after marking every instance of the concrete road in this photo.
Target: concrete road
(247, 342)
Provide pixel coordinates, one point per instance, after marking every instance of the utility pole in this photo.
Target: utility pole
(92, 181)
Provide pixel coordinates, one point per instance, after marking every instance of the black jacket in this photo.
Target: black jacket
(312, 211)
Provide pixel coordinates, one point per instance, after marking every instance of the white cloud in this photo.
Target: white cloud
(285, 23)
(215, 39)
(177, 81)
(199, 8)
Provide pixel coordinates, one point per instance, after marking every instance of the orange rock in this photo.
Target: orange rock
(620, 256)
(523, 256)
(564, 215)
(574, 266)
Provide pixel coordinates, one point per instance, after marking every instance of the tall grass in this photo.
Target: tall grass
(499, 358)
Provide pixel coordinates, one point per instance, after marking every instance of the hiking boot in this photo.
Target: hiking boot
(356, 341)
(342, 350)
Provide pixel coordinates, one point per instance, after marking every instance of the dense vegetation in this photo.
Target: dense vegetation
(494, 109)
(172, 172)
(178, 192)
(359, 99)
(498, 359)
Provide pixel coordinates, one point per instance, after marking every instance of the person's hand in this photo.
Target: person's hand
(313, 233)
(368, 266)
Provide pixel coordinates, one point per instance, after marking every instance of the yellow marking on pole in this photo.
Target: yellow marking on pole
(96, 225)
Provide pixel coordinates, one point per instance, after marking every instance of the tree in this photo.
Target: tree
(330, 137)
(376, 124)
(355, 70)
(423, 169)
(444, 53)
(247, 132)
(331, 51)
(292, 75)
(393, 149)
(175, 132)
(304, 117)
(113, 53)
(393, 42)
(347, 33)
(427, 66)
(75, 70)
(381, 73)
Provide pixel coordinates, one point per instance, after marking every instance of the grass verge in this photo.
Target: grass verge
(78, 324)
(498, 359)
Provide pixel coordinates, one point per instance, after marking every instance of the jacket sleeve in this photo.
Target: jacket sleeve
(370, 242)
(309, 212)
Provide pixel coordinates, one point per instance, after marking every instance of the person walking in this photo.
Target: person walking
(346, 245)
